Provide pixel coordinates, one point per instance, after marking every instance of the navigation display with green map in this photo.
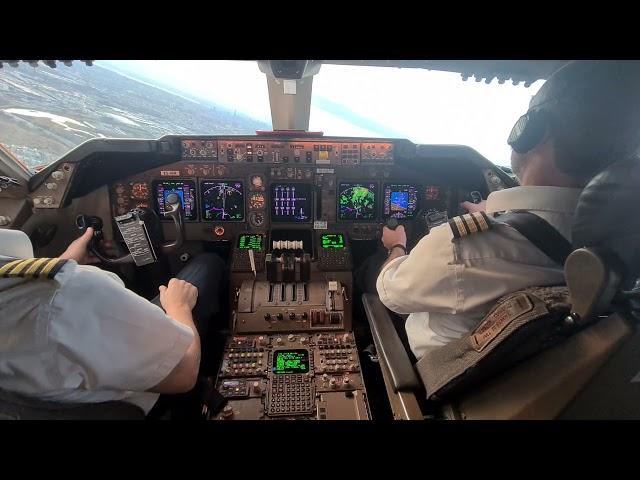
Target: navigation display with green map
(357, 201)
(290, 361)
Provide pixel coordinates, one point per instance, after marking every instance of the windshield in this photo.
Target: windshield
(46, 112)
(429, 107)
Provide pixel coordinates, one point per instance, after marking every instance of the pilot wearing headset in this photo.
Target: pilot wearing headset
(78, 335)
(586, 116)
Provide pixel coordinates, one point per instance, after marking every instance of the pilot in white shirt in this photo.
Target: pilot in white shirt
(74, 333)
(447, 284)
(584, 117)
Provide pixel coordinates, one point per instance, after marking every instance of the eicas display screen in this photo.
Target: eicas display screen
(250, 242)
(332, 240)
(222, 201)
(357, 201)
(291, 202)
(400, 200)
(186, 191)
(290, 361)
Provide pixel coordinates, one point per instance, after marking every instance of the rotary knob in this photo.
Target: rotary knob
(256, 387)
(346, 380)
(37, 201)
(279, 340)
(292, 316)
(333, 383)
(291, 337)
(57, 175)
(262, 340)
(48, 200)
(52, 186)
(227, 412)
(304, 340)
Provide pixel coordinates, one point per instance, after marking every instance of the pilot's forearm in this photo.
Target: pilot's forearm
(182, 314)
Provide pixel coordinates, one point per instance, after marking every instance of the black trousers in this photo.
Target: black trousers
(205, 272)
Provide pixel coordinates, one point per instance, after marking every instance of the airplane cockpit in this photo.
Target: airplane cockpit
(295, 214)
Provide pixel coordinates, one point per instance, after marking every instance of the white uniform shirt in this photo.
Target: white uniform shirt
(447, 284)
(84, 337)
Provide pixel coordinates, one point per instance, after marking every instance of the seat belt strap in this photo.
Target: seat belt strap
(539, 232)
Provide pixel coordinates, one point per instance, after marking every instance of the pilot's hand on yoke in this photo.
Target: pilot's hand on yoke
(394, 237)
(474, 207)
(78, 249)
(178, 295)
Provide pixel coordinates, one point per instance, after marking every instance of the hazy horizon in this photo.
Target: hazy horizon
(423, 106)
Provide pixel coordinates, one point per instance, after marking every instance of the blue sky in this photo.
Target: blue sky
(420, 105)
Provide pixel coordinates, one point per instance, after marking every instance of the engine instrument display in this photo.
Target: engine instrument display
(357, 201)
(223, 201)
(250, 242)
(185, 189)
(332, 240)
(400, 200)
(291, 202)
(290, 361)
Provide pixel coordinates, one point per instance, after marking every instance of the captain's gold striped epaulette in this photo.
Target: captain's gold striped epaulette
(469, 224)
(32, 268)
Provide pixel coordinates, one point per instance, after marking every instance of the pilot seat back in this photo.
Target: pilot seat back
(541, 353)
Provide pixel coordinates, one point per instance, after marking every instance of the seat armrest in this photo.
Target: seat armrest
(403, 376)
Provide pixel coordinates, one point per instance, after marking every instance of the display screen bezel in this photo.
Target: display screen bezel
(222, 180)
(274, 219)
(417, 192)
(262, 245)
(376, 209)
(156, 205)
(341, 235)
(290, 372)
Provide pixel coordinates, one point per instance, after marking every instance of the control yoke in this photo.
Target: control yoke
(138, 228)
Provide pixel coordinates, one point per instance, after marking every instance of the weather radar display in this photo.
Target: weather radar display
(223, 201)
(357, 201)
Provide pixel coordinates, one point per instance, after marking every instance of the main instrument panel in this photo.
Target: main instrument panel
(231, 186)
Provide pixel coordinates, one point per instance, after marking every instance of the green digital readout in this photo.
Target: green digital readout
(290, 361)
(332, 240)
(250, 242)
